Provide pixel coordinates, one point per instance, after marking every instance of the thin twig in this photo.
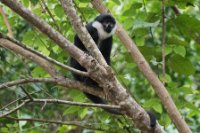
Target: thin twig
(28, 95)
(15, 109)
(74, 123)
(176, 10)
(25, 81)
(7, 105)
(163, 40)
(50, 14)
(75, 103)
(150, 28)
(10, 33)
(62, 82)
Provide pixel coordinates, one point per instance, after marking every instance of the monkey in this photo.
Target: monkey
(101, 30)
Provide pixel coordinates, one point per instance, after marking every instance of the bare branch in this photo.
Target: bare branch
(10, 33)
(14, 109)
(28, 95)
(57, 101)
(50, 14)
(29, 55)
(163, 39)
(73, 123)
(9, 104)
(45, 57)
(45, 28)
(48, 67)
(25, 81)
(148, 73)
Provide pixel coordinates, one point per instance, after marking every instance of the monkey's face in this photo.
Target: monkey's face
(107, 21)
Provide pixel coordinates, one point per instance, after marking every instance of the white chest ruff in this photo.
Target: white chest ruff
(101, 32)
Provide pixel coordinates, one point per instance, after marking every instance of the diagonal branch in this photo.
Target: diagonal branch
(81, 31)
(45, 57)
(148, 73)
(10, 33)
(50, 14)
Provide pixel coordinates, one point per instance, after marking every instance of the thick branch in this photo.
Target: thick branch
(45, 57)
(148, 73)
(17, 49)
(48, 67)
(45, 28)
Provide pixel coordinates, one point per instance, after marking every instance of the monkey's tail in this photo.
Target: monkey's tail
(98, 100)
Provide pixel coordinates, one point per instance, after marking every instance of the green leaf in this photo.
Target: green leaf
(142, 24)
(176, 41)
(165, 120)
(185, 90)
(117, 2)
(39, 72)
(4, 130)
(188, 25)
(180, 50)
(158, 108)
(59, 11)
(168, 50)
(181, 65)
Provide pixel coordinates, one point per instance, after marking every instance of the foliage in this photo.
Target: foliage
(142, 20)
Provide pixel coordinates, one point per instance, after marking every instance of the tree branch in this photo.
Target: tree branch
(25, 81)
(15, 109)
(10, 33)
(163, 39)
(148, 73)
(50, 14)
(81, 31)
(58, 79)
(57, 101)
(73, 123)
(66, 67)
